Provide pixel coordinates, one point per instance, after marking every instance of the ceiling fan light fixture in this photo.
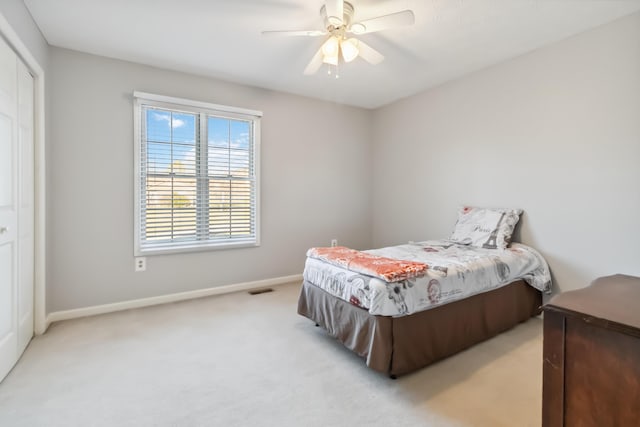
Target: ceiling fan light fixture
(349, 49)
(330, 59)
(331, 46)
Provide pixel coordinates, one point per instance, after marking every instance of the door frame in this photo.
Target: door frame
(40, 323)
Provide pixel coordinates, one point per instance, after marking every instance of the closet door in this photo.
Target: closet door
(8, 208)
(16, 208)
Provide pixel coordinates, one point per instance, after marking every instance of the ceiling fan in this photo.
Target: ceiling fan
(337, 16)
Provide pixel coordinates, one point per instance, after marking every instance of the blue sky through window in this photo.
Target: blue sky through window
(171, 138)
(228, 142)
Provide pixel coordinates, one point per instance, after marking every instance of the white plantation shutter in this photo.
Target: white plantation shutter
(196, 175)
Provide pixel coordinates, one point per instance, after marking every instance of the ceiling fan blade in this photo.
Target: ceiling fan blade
(369, 54)
(398, 19)
(335, 11)
(312, 33)
(315, 63)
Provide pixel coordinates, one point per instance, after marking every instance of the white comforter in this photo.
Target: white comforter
(454, 272)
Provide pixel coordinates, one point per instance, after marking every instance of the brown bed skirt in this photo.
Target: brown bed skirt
(400, 345)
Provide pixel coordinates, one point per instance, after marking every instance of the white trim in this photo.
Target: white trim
(199, 104)
(57, 316)
(257, 135)
(39, 299)
(137, 123)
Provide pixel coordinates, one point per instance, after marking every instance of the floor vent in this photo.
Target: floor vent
(260, 291)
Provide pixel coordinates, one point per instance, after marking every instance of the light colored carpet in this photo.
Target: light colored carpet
(241, 360)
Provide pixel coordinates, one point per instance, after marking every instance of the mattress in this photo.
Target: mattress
(454, 272)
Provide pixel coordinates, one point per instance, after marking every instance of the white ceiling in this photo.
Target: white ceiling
(222, 38)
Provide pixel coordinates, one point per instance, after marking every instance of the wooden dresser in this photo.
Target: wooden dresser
(591, 355)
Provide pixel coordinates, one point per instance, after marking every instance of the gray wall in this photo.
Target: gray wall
(314, 183)
(555, 132)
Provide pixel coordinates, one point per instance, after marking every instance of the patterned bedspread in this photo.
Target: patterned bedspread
(455, 272)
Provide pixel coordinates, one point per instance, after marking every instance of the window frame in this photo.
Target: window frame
(202, 108)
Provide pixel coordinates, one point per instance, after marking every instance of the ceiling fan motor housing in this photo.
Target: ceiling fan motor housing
(331, 23)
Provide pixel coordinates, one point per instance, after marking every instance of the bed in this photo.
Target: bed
(466, 294)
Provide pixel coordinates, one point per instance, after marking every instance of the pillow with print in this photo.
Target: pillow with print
(484, 227)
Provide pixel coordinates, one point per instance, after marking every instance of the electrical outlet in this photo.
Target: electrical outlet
(141, 263)
(334, 243)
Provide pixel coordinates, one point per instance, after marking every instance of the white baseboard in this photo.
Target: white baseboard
(57, 316)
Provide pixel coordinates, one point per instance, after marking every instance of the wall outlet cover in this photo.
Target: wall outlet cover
(141, 263)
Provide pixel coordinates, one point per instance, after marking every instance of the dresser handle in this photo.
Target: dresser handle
(4, 230)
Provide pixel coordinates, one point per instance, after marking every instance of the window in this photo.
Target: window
(196, 175)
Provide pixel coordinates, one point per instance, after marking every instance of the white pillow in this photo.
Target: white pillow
(485, 228)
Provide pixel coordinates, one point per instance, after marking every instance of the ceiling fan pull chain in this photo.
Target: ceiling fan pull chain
(335, 73)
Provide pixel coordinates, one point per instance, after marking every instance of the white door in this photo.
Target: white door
(16, 208)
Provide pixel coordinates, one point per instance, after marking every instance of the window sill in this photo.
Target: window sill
(187, 248)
